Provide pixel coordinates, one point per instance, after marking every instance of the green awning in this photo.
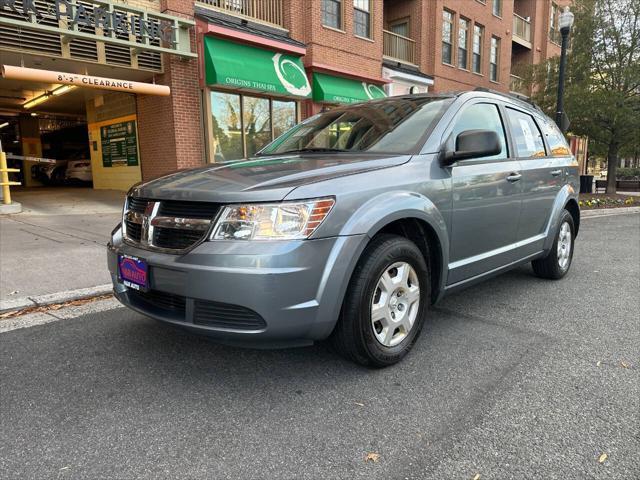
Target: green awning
(241, 66)
(330, 89)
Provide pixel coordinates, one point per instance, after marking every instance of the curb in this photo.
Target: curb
(605, 212)
(51, 298)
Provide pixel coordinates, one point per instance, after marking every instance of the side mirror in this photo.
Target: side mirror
(472, 144)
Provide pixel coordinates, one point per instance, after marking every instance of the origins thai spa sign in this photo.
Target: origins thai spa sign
(239, 66)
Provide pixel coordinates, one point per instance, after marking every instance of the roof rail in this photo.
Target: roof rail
(513, 96)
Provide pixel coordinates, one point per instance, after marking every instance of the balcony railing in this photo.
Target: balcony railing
(522, 28)
(265, 11)
(399, 47)
(516, 84)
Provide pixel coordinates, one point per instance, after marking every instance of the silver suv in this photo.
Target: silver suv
(351, 224)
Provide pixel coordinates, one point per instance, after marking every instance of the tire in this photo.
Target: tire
(368, 342)
(558, 261)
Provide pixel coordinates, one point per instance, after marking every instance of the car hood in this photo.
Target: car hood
(260, 179)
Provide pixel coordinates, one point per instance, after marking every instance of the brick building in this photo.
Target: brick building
(243, 71)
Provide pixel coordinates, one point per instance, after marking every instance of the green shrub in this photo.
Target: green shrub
(627, 173)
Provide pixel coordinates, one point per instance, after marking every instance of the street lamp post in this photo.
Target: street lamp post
(565, 23)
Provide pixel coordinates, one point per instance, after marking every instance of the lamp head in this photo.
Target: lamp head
(565, 22)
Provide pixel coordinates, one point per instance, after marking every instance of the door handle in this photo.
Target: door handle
(556, 173)
(514, 177)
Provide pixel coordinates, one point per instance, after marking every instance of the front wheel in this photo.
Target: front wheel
(556, 264)
(386, 302)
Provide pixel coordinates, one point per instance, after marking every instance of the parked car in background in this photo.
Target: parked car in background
(63, 172)
(352, 224)
(78, 171)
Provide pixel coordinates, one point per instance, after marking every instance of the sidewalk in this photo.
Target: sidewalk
(56, 244)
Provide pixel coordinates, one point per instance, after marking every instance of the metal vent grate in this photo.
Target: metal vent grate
(118, 54)
(85, 49)
(27, 39)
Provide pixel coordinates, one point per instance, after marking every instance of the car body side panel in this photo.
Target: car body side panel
(419, 189)
(486, 209)
(567, 192)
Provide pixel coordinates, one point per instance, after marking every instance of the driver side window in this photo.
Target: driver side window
(482, 116)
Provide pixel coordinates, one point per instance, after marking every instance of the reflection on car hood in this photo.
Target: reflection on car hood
(262, 178)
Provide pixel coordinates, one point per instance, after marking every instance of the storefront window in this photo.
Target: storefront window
(284, 117)
(226, 131)
(241, 132)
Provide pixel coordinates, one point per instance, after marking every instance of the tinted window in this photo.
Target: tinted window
(558, 146)
(482, 116)
(395, 125)
(526, 134)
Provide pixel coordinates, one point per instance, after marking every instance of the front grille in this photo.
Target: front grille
(137, 204)
(170, 232)
(173, 208)
(170, 303)
(134, 231)
(224, 315)
(175, 238)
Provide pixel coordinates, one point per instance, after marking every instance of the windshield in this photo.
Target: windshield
(394, 125)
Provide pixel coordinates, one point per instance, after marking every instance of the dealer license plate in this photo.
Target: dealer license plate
(134, 272)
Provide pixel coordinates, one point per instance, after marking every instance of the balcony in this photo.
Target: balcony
(516, 85)
(399, 48)
(269, 12)
(521, 31)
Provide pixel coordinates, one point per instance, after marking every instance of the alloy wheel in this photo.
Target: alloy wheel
(395, 304)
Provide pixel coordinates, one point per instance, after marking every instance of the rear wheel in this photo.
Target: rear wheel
(385, 305)
(556, 264)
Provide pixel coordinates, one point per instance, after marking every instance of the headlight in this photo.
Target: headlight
(279, 221)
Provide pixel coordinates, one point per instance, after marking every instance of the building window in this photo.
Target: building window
(241, 125)
(362, 18)
(463, 43)
(494, 58)
(400, 27)
(256, 123)
(554, 17)
(332, 13)
(497, 8)
(447, 37)
(478, 34)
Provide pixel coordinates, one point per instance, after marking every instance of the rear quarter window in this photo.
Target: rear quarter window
(558, 146)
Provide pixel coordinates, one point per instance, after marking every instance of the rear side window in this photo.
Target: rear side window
(526, 134)
(482, 116)
(558, 146)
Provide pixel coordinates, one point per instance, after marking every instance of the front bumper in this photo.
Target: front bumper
(295, 287)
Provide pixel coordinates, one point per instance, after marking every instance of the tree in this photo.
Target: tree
(602, 93)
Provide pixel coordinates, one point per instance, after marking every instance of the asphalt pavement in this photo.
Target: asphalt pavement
(515, 378)
(58, 242)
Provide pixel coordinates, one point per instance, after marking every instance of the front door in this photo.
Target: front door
(486, 200)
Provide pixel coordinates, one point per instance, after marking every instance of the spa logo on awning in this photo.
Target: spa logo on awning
(291, 76)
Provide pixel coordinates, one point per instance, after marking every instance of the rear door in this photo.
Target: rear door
(486, 198)
(543, 174)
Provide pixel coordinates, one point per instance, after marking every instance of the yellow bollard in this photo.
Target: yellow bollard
(4, 178)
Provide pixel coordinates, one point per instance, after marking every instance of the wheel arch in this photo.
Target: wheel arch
(426, 239)
(574, 209)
